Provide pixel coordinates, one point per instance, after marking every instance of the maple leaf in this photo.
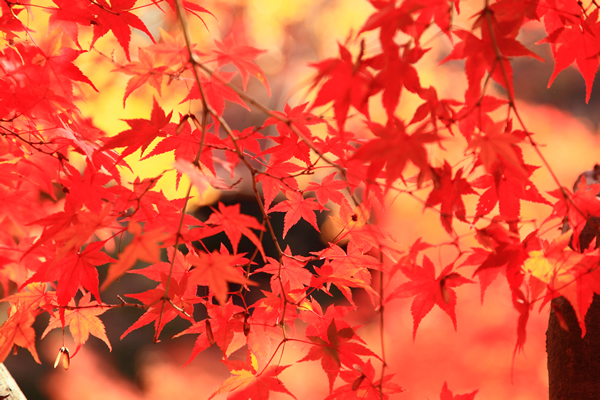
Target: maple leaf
(574, 40)
(68, 15)
(292, 271)
(346, 270)
(392, 149)
(18, 330)
(72, 271)
(243, 58)
(143, 246)
(277, 177)
(248, 382)
(117, 17)
(328, 189)
(506, 251)
(82, 320)
(448, 192)
(224, 327)
(334, 347)
(234, 224)
(499, 150)
(215, 270)
(395, 73)
(481, 57)
(142, 132)
(347, 83)
(576, 208)
(563, 272)
(182, 297)
(507, 190)
(389, 19)
(296, 207)
(216, 92)
(447, 394)
(186, 145)
(143, 71)
(297, 116)
(362, 384)
(429, 290)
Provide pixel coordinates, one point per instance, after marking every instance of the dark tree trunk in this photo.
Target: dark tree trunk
(573, 361)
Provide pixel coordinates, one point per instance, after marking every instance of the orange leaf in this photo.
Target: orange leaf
(143, 247)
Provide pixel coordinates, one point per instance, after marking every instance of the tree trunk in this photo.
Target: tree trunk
(9, 389)
(573, 361)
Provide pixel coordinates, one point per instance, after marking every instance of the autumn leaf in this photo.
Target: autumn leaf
(574, 40)
(181, 295)
(117, 17)
(82, 320)
(142, 132)
(392, 149)
(296, 207)
(242, 57)
(335, 348)
(347, 83)
(74, 270)
(447, 394)
(449, 192)
(234, 224)
(215, 270)
(328, 189)
(143, 247)
(429, 290)
(248, 382)
(363, 385)
(143, 71)
(224, 327)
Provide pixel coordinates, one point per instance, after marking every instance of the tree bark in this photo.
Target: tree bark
(573, 361)
(9, 389)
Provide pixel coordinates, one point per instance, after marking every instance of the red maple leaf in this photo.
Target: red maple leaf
(506, 190)
(142, 132)
(481, 57)
(335, 347)
(296, 207)
(392, 149)
(277, 177)
(215, 270)
(224, 327)
(328, 189)
(291, 271)
(243, 58)
(347, 83)
(117, 17)
(362, 384)
(143, 71)
(448, 192)
(429, 290)
(396, 72)
(447, 394)
(73, 270)
(574, 39)
(143, 246)
(216, 92)
(250, 382)
(234, 224)
(182, 297)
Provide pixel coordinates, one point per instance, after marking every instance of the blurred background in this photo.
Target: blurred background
(294, 33)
